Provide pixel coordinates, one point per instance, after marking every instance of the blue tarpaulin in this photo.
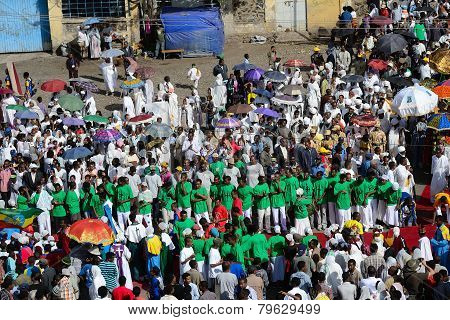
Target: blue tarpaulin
(199, 31)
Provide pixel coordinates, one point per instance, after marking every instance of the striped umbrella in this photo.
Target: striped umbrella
(106, 135)
(228, 123)
(142, 118)
(132, 84)
(88, 86)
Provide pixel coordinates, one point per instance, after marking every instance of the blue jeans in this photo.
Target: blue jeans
(160, 45)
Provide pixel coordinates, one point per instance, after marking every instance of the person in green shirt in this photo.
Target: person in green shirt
(58, 211)
(226, 246)
(320, 186)
(304, 180)
(261, 194)
(199, 245)
(394, 195)
(277, 189)
(145, 200)
(382, 192)
(166, 197)
(226, 190)
(214, 189)
(217, 166)
(182, 225)
(23, 199)
(110, 188)
(300, 208)
(332, 179)
(183, 194)
(199, 196)
(372, 203)
(359, 201)
(245, 194)
(238, 163)
(292, 185)
(343, 200)
(85, 199)
(124, 196)
(72, 202)
(98, 200)
(257, 245)
(276, 245)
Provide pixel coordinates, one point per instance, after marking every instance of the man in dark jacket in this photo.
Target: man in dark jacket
(221, 68)
(32, 178)
(307, 156)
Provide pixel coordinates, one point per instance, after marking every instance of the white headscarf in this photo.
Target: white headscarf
(333, 272)
(97, 282)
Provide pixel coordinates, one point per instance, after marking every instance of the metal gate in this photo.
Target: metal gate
(24, 26)
(291, 14)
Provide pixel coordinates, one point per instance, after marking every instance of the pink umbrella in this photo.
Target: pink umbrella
(133, 65)
(381, 21)
(142, 118)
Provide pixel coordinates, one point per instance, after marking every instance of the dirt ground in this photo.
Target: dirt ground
(43, 67)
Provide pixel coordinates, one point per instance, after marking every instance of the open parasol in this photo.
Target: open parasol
(414, 101)
(142, 118)
(71, 103)
(73, 122)
(93, 231)
(244, 67)
(286, 100)
(365, 120)
(228, 123)
(95, 118)
(111, 53)
(400, 82)
(381, 21)
(352, 78)
(378, 64)
(27, 114)
(391, 43)
(77, 153)
(443, 92)
(440, 60)
(439, 122)
(132, 84)
(295, 63)
(292, 90)
(144, 72)
(275, 76)
(263, 92)
(132, 66)
(55, 85)
(240, 108)
(253, 74)
(106, 135)
(267, 112)
(17, 107)
(159, 130)
(88, 86)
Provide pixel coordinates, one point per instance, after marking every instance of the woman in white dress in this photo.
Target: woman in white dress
(254, 171)
(122, 256)
(94, 43)
(128, 106)
(109, 73)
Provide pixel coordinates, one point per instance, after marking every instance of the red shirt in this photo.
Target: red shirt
(220, 213)
(238, 204)
(122, 293)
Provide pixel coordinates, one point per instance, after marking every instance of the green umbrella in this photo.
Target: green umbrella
(17, 107)
(71, 103)
(95, 118)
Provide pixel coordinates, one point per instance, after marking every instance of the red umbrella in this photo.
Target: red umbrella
(378, 64)
(53, 85)
(142, 118)
(365, 120)
(5, 91)
(295, 63)
(381, 21)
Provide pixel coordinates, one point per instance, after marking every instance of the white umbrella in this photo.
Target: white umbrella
(111, 53)
(414, 101)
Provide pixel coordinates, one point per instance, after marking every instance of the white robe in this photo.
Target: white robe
(8, 115)
(393, 141)
(94, 43)
(149, 91)
(139, 101)
(109, 73)
(425, 248)
(124, 254)
(91, 106)
(128, 106)
(440, 170)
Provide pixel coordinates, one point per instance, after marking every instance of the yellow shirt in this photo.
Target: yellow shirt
(154, 245)
(353, 224)
(437, 202)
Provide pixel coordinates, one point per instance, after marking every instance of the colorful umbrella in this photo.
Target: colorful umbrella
(88, 86)
(159, 130)
(440, 60)
(106, 135)
(17, 107)
(73, 122)
(445, 83)
(296, 63)
(228, 123)
(93, 231)
(111, 53)
(275, 76)
(96, 118)
(145, 72)
(267, 112)
(253, 74)
(53, 85)
(132, 84)
(365, 120)
(18, 217)
(443, 92)
(27, 114)
(5, 91)
(439, 122)
(414, 101)
(378, 64)
(381, 21)
(77, 153)
(71, 103)
(142, 118)
(240, 108)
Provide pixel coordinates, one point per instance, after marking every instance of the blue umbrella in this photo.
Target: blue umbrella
(263, 93)
(111, 53)
(26, 115)
(77, 153)
(275, 76)
(73, 122)
(90, 21)
(253, 74)
(439, 122)
(267, 112)
(244, 66)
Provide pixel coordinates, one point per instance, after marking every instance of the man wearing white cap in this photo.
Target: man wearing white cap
(394, 195)
(301, 212)
(394, 137)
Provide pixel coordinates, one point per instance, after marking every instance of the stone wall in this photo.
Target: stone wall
(248, 11)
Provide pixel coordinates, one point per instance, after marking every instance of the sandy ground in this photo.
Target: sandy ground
(43, 67)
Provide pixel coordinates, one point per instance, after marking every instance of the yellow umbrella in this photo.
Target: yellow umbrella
(440, 60)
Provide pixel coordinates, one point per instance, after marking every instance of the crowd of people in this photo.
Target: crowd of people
(225, 205)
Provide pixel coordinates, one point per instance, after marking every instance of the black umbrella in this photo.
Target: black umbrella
(400, 82)
(352, 78)
(244, 67)
(406, 34)
(391, 43)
